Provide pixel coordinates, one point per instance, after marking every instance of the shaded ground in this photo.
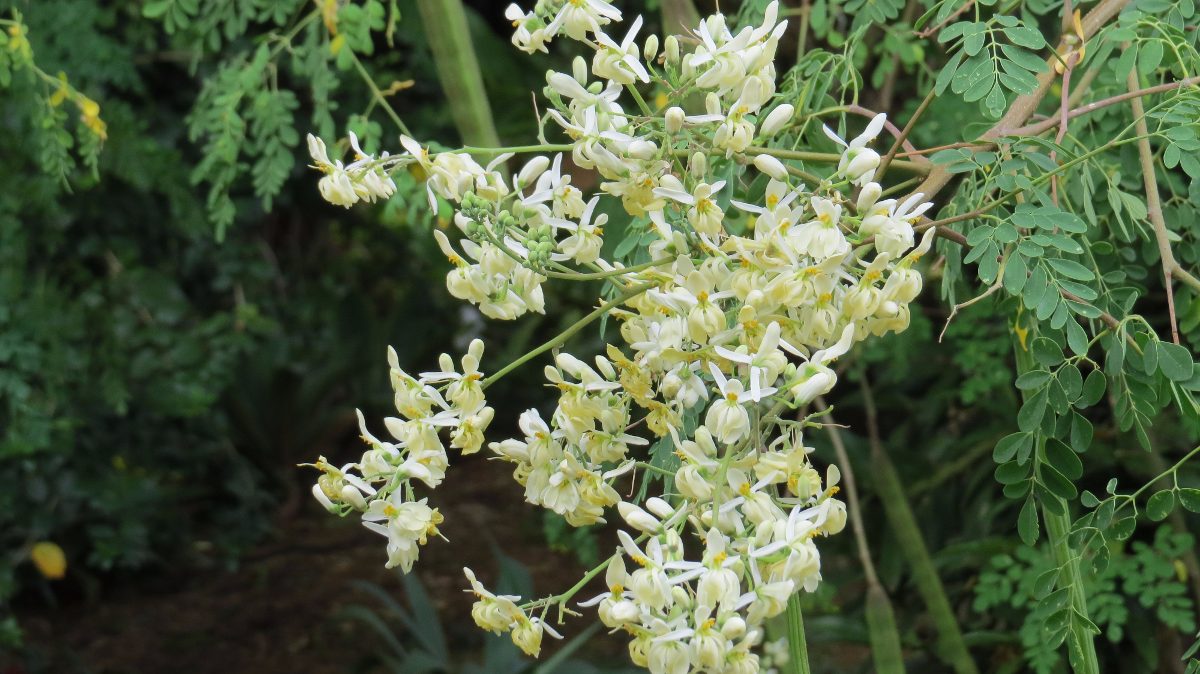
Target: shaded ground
(280, 612)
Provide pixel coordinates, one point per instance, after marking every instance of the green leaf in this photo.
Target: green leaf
(1063, 459)
(1033, 379)
(1160, 505)
(1076, 338)
(1026, 36)
(1175, 361)
(1123, 528)
(1189, 498)
(1016, 273)
(1027, 522)
(1030, 415)
(1036, 287)
(1071, 380)
(1071, 269)
(1149, 358)
(1149, 56)
(154, 10)
(1011, 472)
(1093, 389)
(1049, 303)
(1009, 445)
(947, 72)
(1057, 483)
(1081, 432)
(1046, 352)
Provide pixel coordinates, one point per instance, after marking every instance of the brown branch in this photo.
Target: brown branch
(950, 235)
(1025, 105)
(1046, 125)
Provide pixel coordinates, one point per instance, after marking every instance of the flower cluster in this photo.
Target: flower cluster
(500, 613)
(689, 615)
(364, 179)
(740, 288)
(380, 484)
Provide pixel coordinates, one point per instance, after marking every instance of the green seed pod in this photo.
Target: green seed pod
(881, 625)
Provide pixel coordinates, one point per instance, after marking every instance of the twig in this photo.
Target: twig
(902, 139)
(887, 124)
(974, 300)
(852, 502)
(1064, 98)
(1047, 124)
(957, 13)
(1153, 203)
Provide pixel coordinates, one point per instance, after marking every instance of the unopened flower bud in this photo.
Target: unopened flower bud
(579, 70)
(641, 149)
(674, 119)
(771, 166)
(354, 497)
(712, 103)
(698, 165)
(637, 518)
(671, 49)
(531, 170)
(651, 48)
(867, 197)
(734, 628)
(659, 507)
(778, 119)
(864, 163)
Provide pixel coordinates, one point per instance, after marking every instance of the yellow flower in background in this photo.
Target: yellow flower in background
(49, 560)
(90, 116)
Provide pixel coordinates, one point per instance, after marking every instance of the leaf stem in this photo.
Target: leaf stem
(377, 94)
(562, 337)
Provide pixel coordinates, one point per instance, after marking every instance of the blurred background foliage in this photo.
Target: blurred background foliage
(183, 320)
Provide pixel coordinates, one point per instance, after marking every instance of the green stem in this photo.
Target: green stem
(1081, 640)
(950, 644)
(377, 94)
(1058, 529)
(797, 645)
(640, 101)
(516, 149)
(562, 337)
(828, 157)
(458, 69)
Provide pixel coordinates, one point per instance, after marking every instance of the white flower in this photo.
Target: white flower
(494, 613)
(531, 34)
(727, 417)
(619, 62)
(704, 215)
(820, 238)
(858, 163)
(577, 17)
